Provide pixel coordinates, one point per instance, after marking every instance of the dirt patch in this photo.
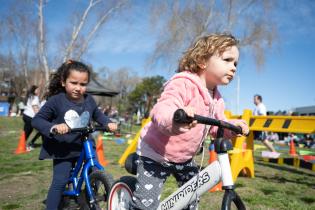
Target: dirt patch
(25, 190)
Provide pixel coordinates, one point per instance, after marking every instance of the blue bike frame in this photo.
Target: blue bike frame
(87, 159)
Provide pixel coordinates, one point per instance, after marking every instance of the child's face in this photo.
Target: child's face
(75, 85)
(220, 69)
(256, 100)
(36, 91)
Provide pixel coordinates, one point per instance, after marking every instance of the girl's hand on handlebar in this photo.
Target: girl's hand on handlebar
(60, 128)
(190, 111)
(244, 126)
(112, 127)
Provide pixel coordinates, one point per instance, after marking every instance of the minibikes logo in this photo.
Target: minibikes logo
(188, 189)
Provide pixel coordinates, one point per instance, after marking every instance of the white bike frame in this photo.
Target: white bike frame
(219, 170)
(199, 184)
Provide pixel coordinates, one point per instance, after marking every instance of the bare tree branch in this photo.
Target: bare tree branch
(99, 23)
(77, 29)
(178, 18)
(76, 50)
(246, 6)
(208, 20)
(21, 31)
(23, 52)
(191, 20)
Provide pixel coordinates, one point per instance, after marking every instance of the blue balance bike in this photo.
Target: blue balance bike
(86, 174)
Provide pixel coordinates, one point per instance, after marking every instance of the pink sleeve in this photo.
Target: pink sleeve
(172, 98)
(219, 114)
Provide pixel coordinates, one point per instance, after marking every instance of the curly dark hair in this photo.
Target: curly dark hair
(62, 73)
(30, 93)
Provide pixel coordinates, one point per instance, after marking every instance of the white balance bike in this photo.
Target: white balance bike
(121, 192)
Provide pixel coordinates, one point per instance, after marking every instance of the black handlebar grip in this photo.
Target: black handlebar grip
(237, 130)
(54, 132)
(180, 116)
(104, 128)
(107, 128)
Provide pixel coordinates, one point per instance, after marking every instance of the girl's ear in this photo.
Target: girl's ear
(63, 84)
(202, 66)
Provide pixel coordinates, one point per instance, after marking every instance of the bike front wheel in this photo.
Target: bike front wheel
(232, 201)
(100, 184)
(121, 193)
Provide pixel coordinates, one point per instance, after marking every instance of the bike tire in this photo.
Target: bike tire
(101, 184)
(68, 203)
(121, 193)
(230, 197)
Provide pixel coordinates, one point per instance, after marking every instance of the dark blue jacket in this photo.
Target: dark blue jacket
(52, 113)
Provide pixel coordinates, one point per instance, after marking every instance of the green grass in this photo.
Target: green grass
(24, 179)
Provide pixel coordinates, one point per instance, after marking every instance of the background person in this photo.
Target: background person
(22, 100)
(31, 143)
(260, 110)
(30, 109)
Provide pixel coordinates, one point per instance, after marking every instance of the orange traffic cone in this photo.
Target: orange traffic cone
(292, 148)
(213, 157)
(100, 151)
(21, 148)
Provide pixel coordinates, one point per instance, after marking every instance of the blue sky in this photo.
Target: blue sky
(285, 81)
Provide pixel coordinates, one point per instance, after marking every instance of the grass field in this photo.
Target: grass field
(24, 179)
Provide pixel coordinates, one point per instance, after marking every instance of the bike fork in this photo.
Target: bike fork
(227, 179)
(91, 162)
(230, 196)
(88, 187)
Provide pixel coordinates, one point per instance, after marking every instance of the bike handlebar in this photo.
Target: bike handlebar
(86, 130)
(180, 116)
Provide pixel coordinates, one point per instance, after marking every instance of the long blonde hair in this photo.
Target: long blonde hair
(203, 49)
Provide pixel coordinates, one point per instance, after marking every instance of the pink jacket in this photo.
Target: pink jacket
(162, 137)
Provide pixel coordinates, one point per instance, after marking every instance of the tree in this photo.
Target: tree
(76, 43)
(184, 21)
(42, 56)
(146, 93)
(122, 80)
(20, 31)
(25, 31)
(79, 41)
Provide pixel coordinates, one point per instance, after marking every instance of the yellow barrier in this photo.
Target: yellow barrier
(133, 145)
(242, 157)
(288, 124)
(295, 162)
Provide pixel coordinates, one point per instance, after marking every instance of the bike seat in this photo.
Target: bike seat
(131, 163)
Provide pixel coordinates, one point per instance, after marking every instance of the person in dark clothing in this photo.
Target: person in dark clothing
(66, 92)
(31, 108)
(31, 144)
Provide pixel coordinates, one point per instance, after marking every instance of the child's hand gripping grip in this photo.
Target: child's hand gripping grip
(54, 131)
(180, 116)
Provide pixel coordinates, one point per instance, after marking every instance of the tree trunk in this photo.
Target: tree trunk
(41, 42)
